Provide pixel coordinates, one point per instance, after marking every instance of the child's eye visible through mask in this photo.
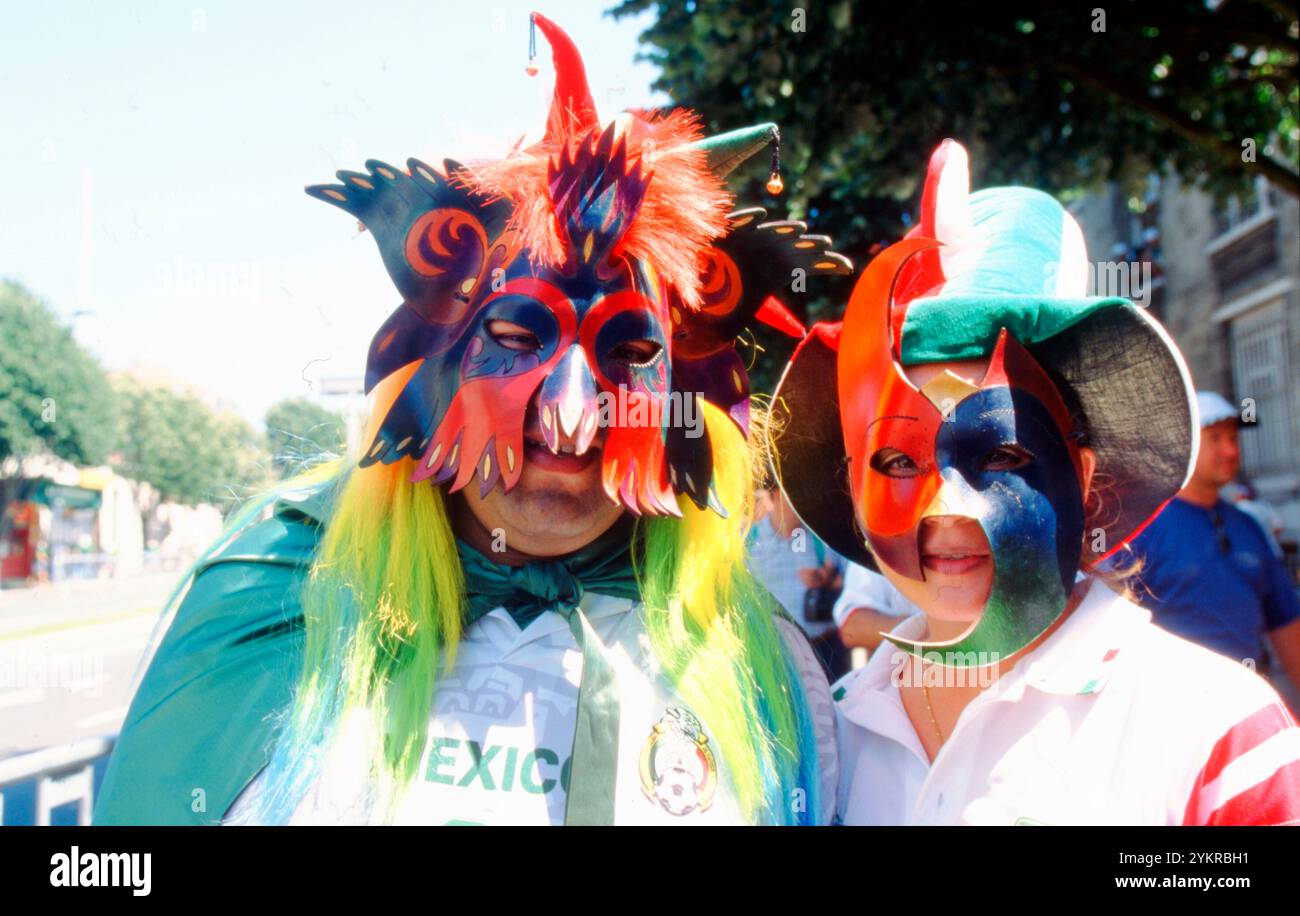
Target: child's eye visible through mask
(893, 463)
(1007, 458)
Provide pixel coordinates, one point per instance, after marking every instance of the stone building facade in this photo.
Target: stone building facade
(1225, 281)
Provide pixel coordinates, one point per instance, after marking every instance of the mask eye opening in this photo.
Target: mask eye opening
(894, 463)
(512, 336)
(638, 354)
(1009, 456)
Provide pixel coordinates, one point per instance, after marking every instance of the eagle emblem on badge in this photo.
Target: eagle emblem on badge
(678, 770)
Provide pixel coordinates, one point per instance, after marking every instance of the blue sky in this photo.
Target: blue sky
(154, 157)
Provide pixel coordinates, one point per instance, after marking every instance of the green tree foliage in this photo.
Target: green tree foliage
(175, 443)
(249, 462)
(865, 91)
(1044, 94)
(53, 393)
(298, 430)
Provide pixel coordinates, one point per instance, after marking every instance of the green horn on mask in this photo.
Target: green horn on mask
(726, 151)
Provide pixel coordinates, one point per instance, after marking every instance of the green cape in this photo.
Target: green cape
(204, 719)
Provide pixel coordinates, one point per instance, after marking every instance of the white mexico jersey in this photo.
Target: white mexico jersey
(502, 724)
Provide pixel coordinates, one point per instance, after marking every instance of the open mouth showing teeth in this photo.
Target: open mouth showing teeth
(565, 458)
(566, 448)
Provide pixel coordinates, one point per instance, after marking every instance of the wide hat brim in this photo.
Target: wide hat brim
(1132, 384)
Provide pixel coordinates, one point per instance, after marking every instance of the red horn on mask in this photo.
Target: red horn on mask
(573, 112)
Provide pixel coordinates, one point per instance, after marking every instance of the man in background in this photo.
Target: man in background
(1208, 572)
(1243, 497)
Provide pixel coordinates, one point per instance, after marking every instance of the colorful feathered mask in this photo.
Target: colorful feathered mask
(609, 253)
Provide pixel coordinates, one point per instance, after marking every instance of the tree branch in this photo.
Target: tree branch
(1280, 174)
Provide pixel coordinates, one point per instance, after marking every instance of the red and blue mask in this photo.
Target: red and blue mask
(1001, 453)
(999, 275)
(612, 248)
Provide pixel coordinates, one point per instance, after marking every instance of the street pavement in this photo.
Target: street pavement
(68, 654)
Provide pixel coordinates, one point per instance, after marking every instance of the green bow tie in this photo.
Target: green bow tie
(530, 590)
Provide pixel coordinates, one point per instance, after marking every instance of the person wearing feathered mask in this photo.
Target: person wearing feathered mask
(525, 601)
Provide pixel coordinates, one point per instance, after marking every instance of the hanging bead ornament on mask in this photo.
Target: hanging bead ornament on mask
(532, 69)
(774, 183)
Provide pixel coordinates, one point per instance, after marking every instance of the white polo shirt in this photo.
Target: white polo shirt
(865, 588)
(1110, 721)
(501, 730)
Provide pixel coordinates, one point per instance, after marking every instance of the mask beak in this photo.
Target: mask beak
(567, 407)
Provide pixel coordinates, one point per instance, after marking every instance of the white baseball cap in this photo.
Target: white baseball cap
(1215, 408)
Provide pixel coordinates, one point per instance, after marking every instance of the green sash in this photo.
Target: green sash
(530, 590)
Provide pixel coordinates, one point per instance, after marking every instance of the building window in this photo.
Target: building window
(1261, 358)
(1237, 210)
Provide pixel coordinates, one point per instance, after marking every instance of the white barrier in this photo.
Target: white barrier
(63, 774)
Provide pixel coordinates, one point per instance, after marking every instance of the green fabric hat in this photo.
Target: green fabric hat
(967, 327)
